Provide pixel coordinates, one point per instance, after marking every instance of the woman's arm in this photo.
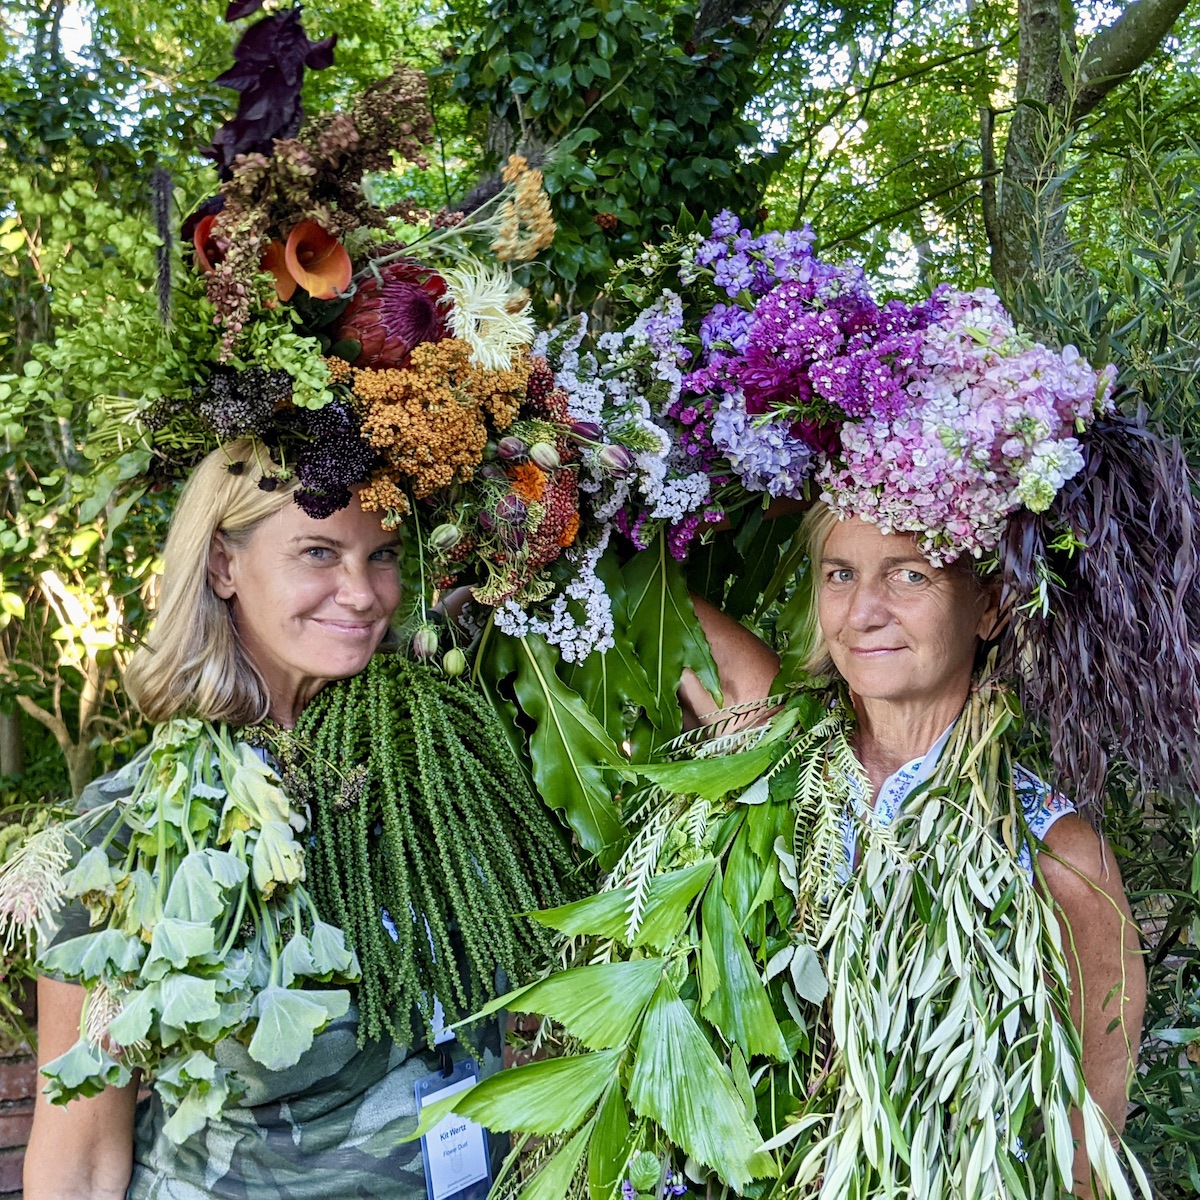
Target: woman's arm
(746, 666)
(1108, 978)
(83, 1150)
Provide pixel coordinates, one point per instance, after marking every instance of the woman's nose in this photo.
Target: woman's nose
(867, 609)
(354, 588)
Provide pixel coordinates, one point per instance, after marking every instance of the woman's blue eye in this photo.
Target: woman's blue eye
(914, 577)
(840, 575)
(388, 554)
(317, 552)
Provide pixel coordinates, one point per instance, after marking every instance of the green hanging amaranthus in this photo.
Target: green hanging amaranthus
(429, 842)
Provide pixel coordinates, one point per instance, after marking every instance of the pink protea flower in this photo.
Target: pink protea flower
(391, 316)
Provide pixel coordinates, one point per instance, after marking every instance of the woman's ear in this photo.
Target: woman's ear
(220, 568)
(994, 618)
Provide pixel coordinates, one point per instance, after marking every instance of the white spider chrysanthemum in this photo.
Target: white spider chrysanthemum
(491, 314)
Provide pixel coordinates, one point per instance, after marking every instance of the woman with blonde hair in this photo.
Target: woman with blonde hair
(262, 608)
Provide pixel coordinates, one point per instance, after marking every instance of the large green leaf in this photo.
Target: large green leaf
(734, 999)
(599, 1004)
(607, 914)
(87, 957)
(175, 943)
(544, 1098)
(664, 631)
(571, 750)
(614, 685)
(609, 1149)
(553, 1180)
(711, 778)
(679, 1081)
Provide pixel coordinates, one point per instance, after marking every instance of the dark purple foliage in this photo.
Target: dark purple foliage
(330, 457)
(1114, 668)
(268, 70)
(242, 8)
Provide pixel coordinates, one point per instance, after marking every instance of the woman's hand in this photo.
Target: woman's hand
(746, 667)
(83, 1150)
(1108, 978)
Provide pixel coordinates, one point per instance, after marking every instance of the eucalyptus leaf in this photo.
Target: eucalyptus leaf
(199, 1106)
(94, 873)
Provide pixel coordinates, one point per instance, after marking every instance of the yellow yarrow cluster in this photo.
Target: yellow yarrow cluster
(526, 222)
(430, 421)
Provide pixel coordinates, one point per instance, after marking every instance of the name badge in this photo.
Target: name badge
(455, 1150)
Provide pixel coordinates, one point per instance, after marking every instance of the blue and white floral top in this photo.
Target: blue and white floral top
(1041, 803)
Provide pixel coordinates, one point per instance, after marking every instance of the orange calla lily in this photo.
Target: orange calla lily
(317, 261)
(274, 259)
(207, 253)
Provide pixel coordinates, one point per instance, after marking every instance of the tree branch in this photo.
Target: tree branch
(1118, 50)
(987, 140)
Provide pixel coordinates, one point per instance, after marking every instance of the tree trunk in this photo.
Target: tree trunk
(12, 745)
(1025, 215)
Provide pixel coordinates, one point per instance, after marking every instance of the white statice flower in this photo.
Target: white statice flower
(575, 639)
(490, 313)
(30, 888)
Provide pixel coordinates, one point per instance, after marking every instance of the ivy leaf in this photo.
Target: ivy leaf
(570, 749)
(84, 959)
(277, 857)
(84, 1070)
(187, 1000)
(287, 1021)
(679, 1082)
(175, 943)
(330, 954)
(732, 995)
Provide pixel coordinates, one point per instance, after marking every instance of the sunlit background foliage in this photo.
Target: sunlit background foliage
(902, 130)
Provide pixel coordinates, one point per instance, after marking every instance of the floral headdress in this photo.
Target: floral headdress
(767, 372)
(385, 349)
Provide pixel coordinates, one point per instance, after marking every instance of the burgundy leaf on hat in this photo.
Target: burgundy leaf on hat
(242, 8)
(268, 70)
